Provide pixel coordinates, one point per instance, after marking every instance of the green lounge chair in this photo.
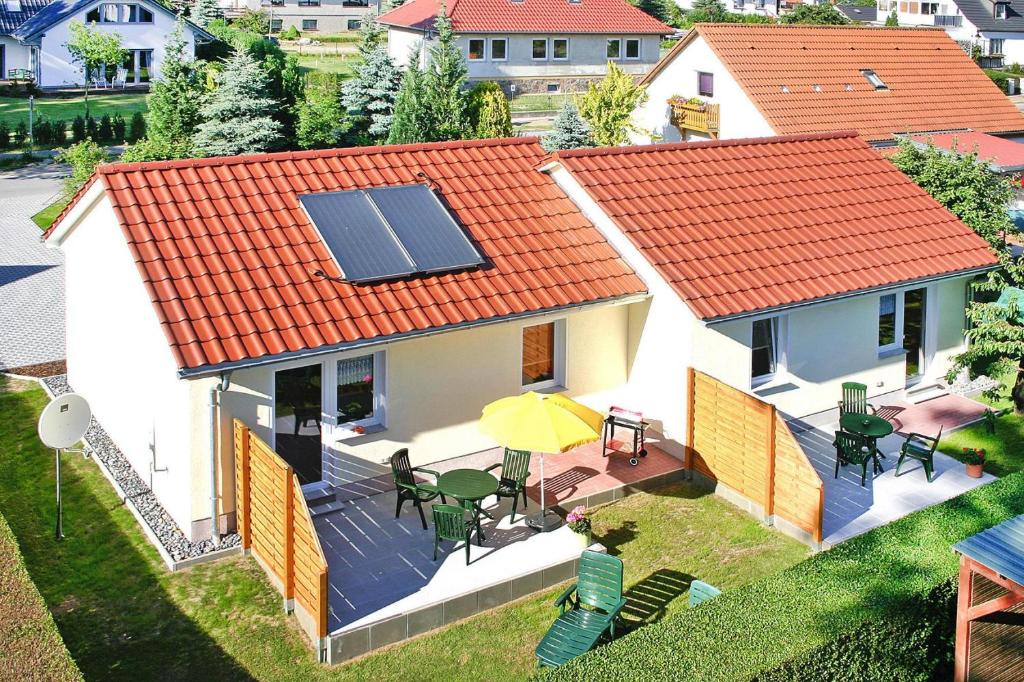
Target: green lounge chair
(701, 592)
(855, 399)
(921, 448)
(589, 609)
(450, 523)
(408, 488)
(852, 448)
(515, 469)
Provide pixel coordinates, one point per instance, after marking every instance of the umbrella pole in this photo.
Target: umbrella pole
(543, 521)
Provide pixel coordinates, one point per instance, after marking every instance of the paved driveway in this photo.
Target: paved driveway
(31, 275)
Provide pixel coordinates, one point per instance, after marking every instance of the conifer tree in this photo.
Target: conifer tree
(489, 111)
(203, 12)
(608, 106)
(239, 116)
(321, 120)
(569, 131)
(445, 81)
(370, 96)
(409, 122)
(175, 96)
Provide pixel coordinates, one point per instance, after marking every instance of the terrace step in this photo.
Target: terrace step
(325, 508)
(923, 392)
(317, 493)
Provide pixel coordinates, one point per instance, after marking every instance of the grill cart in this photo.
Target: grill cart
(620, 417)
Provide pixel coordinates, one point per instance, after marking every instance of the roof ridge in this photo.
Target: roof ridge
(106, 169)
(815, 27)
(672, 146)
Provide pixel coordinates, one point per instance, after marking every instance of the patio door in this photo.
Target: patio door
(298, 420)
(914, 316)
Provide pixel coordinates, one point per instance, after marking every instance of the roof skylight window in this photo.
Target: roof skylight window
(784, 88)
(876, 81)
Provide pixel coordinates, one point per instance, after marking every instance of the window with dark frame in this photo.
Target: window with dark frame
(1000, 10)
(499, 49)
(309, 3)
(354, 24)
(309, 24)
(705, 84)
(476, 49)
(540, 48)
(275, 25)
(560, 48)
(633, 48)
(764, 349)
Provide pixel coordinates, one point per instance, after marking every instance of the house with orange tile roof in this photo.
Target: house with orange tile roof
(533, 45)
(726, 81)
(347, 303)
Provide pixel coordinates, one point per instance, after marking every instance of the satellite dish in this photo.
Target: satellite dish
(64, 421)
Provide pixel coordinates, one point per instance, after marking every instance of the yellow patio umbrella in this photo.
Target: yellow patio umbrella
(543, 423)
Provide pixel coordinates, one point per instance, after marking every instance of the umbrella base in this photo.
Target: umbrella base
(544, 522)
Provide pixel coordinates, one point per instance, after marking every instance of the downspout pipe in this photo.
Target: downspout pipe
(222, 385)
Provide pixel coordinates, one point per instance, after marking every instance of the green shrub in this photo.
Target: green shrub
(137, 128)
(83, 159)
(5, 135)
(808, 612)
(58, 133)
(1000, 78)
(120, 127)
(20, 133)
(92, 131)
(105, 132)
(78, 129)
(290, 33)
(41, 132)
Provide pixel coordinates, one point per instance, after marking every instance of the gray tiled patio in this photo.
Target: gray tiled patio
(851, 509)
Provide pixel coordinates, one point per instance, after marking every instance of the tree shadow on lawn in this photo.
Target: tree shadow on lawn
(103, 581)
(647, 600)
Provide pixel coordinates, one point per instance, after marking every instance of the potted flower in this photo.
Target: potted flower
(974, 459)
(580, 524)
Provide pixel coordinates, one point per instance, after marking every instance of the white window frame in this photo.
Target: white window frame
(897, 344)
(469, 49)
(780, 344)
(607, 44)
(490, 49)
(568, 47)
(560, 356)
(547, 49)
(929, 6)
(997, 7)
(639, 49)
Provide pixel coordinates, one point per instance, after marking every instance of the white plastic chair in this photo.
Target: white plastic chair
(120, 78)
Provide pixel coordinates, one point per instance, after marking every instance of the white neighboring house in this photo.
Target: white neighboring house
(200, 290)
(770, 8)
(38, 43)
(994, 29)
(750, 80)
(533, 45)
(311, 17)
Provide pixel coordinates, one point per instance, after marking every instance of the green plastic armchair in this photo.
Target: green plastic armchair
(408, 488)
(515, 469)
(855, 399)
(451, 523)
(852, 448)
(921, 448)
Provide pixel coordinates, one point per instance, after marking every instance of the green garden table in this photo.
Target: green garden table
(469, 487)
(871, 427)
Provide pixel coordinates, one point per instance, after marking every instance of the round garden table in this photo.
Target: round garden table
(469, 487)
(871, 427)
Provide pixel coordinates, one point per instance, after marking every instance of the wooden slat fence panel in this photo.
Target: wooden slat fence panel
(276, 526)
(739, 440)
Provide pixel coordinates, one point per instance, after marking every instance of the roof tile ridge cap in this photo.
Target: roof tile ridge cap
(203, 162)
(705, 144)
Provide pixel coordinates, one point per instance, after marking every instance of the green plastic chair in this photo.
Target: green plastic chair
(853, 448)
(922, 449)
(515, 469)
(701, 592)
(408, 488)
(589, 609)
(855, 399)
(450, 523)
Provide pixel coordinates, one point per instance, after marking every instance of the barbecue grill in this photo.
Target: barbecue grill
(620, 417)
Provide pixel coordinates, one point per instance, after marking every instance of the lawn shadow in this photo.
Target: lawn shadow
(647, 601)
(103, 583)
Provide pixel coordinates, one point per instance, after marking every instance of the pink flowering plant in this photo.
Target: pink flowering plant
(579, 520)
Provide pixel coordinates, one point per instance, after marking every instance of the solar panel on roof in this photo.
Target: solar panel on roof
(389, 232)
(357, 236)
(425, 228)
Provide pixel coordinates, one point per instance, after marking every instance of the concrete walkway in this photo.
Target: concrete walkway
(31, 275)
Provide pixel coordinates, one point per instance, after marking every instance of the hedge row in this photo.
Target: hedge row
(850, 594)
(105, 131)
(30, 646)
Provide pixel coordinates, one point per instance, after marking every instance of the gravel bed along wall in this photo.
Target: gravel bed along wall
(138, 493)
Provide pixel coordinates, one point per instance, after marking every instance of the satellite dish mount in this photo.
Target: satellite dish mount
(61, 425)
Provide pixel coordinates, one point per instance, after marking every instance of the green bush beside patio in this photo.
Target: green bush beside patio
(123, 616)
(840, 598)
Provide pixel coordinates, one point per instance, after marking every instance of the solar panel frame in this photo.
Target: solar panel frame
(425, 228)
(357, 236)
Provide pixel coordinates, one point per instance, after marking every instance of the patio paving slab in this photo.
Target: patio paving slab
(948, 412)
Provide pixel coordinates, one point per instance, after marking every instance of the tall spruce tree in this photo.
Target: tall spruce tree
(239, 116)
(409, 122)
(568, 131)
(445, 83)
(175, 96)
(203, 12)
(370, 96)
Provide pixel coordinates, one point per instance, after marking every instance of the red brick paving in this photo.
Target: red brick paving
(925, 418)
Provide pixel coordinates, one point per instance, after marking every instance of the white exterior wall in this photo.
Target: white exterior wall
(401, 43)
(436, 386)
(739, 117)
(16, 55)
(119, 359)
(56, 68)
(1013, 43)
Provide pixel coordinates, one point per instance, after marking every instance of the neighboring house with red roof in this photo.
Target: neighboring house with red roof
(750, 80)
(534, 45)
(347, 303)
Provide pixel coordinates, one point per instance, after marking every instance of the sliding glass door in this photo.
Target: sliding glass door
(298, 420)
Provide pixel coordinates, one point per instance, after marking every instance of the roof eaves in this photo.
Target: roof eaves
(670, 55)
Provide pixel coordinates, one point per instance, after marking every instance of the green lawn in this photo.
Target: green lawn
(46, 217)
(330, 63)
(529, 103)
(1004, 450)
(124, 617)
(15, 109)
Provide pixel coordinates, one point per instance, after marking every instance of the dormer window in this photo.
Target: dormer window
(876, 81)
(1000, 10)
(13, 5)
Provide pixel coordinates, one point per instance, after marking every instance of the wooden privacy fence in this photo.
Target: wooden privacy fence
(740, 441)
(276, 528)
